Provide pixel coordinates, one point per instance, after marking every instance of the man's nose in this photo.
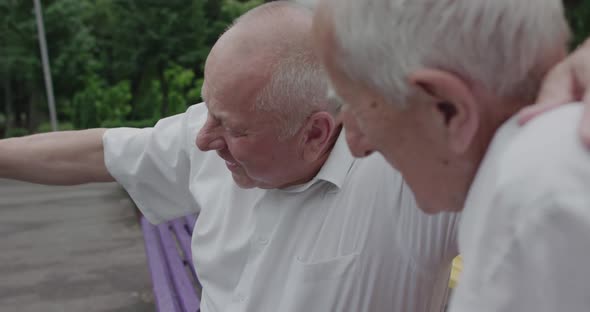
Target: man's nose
(210, 138)
(358, 145)
(357, 141)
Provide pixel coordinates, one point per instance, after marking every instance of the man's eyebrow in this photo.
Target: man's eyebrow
(223, 121)
(214, 115)
(231, 125)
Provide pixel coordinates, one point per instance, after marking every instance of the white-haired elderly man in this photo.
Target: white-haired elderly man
(289, 220)
(433, 86)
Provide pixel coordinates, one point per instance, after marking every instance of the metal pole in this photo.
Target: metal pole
(46, 70)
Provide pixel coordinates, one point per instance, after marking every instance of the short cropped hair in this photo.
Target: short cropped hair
(298, 84)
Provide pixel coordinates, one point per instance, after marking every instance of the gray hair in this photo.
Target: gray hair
(298, 88)
(298, 85)
(500, 45)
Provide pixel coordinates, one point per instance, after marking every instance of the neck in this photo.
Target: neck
(468, 164)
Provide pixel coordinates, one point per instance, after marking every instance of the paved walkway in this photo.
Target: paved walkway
(71, 249)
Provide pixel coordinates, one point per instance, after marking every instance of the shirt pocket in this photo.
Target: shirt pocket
(325, 285)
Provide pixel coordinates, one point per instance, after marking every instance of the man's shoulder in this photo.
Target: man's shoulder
(543, 166)
(547, 152)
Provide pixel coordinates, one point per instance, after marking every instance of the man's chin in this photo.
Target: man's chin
(243, 181)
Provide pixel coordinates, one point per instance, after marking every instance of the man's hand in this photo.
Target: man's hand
(568, 82)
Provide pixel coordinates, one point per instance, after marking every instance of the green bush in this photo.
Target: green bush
(183, 91)
(578, 14)
(99, 103)
(144, 123)
(16, 132)
(62, 126)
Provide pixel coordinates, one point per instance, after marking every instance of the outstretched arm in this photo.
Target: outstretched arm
(60, 158)
(568, 82)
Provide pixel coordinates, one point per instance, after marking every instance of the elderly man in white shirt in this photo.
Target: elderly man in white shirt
(438, 105)
(288, 219)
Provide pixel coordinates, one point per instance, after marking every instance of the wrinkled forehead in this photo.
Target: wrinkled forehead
(233, 83)
(235, 70)
(223, 98)
(235, 107)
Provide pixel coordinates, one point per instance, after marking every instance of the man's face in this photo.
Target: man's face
(405, 137)
(248, 140)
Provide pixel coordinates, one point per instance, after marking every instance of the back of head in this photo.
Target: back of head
(280, 34)
(502, 46)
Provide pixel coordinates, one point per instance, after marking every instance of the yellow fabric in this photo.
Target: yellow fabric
(456, 271)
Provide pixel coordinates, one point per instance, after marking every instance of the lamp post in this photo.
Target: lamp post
(46, 70)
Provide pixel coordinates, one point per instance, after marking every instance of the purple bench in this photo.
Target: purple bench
(168, 249)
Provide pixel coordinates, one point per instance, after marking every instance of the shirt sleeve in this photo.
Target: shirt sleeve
(154, 164)
(542, 266)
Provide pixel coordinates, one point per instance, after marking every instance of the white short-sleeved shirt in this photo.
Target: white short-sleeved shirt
(351, 239)
(525, 231)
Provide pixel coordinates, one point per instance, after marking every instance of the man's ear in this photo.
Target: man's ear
(454, 104)
(317, 134)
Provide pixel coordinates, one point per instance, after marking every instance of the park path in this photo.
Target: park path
(71, 249)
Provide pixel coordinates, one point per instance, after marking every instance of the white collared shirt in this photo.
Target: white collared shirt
(351, 239)
(525, 231)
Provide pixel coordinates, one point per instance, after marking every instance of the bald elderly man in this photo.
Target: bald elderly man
(288, 219)
(435, 86)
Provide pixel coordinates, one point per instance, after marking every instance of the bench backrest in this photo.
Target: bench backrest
(168, 248)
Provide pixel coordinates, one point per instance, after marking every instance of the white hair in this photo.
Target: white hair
(298, 85)
(297, 88)
(500, 45)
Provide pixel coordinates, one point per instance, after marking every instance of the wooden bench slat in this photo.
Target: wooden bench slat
(182, 283)
(163, 289)
(181, 229)
(191, 220)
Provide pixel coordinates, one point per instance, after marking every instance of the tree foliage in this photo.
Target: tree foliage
(113, 62)
(578, 13)
(121, 62)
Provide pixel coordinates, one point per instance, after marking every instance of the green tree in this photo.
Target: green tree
(99, 104)
(578, 13)
(69, 46)
(123, 62)
(153, 35)
(18, 63)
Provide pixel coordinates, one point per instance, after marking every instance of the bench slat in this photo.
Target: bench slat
(182, 283)
(191, 220)
(163, 290)
(181, 229)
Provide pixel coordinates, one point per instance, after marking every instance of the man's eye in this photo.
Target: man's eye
(236, 134)
(213, 120)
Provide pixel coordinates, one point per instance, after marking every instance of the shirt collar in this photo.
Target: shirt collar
(334, 170)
